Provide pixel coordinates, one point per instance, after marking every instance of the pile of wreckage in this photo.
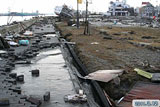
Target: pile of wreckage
(66, 13)
(130, 21)
(15, 40)
(140, 90)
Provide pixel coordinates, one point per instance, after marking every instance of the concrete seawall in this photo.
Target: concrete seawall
(17, 27)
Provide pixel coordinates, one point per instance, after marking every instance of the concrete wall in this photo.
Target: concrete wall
(17, 27)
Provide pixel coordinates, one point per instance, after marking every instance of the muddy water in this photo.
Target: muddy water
(53, 77)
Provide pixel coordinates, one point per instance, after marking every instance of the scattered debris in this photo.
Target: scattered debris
(2, 52)
(147, 37)
(144, 44)
(117, 34)
(23, 62)
(4, 102)
(13, 81)
(103, 31)
(46, 96)
(76, 98)
(143, 73)
(104, 75)
(94, 43)
(35, 101)
(107, 37)
(13, 75)
(24, 42)
(155, 77)
(110, 27)
(16, 89)
(74, 25)
(3, 43)
(7, 68)
(35, 72)
(28, 33)
(14, 44)
(131, 32)
(20, 78)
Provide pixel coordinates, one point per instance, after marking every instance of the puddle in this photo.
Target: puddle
(54, 77)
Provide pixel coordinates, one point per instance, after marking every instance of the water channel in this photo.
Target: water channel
(54, 77)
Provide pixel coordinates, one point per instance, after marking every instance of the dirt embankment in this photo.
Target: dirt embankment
(116, 48)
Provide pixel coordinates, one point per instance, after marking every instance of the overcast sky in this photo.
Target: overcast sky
(47, 6)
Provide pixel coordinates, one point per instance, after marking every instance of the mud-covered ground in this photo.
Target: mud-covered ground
(116, 48)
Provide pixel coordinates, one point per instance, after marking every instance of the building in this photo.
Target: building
(137, 11)
(147, 10)
(157, 11)
(120, 8)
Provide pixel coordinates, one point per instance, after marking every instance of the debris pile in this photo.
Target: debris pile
(76, 98)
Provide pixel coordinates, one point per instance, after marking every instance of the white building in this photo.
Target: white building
(119, 8)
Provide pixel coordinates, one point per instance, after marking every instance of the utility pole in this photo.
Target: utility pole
(86, 30)
(77, 14)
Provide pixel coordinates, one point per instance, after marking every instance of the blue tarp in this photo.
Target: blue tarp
(24, 42)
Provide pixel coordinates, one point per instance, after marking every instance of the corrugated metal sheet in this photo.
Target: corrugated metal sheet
(141, 90)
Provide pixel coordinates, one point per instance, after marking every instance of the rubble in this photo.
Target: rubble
(3, 43)
(94, 43)
(13, 44)
(20, 78)
(4, 102)
(7, 68)
(155, 77)
(46, 96)
(24, 42)
(28, 33)
(13, 75)
(35, 72)
(23, 62)
(35, 101)
(16, 89)
(13, 81)
(76, 98)
(147, 37)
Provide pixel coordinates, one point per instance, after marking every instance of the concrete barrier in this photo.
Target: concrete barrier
(17, 27)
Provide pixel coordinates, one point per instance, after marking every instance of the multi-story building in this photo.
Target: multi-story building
(119, 8)
(148, 10)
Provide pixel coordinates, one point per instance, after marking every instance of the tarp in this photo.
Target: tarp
(24, 42)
